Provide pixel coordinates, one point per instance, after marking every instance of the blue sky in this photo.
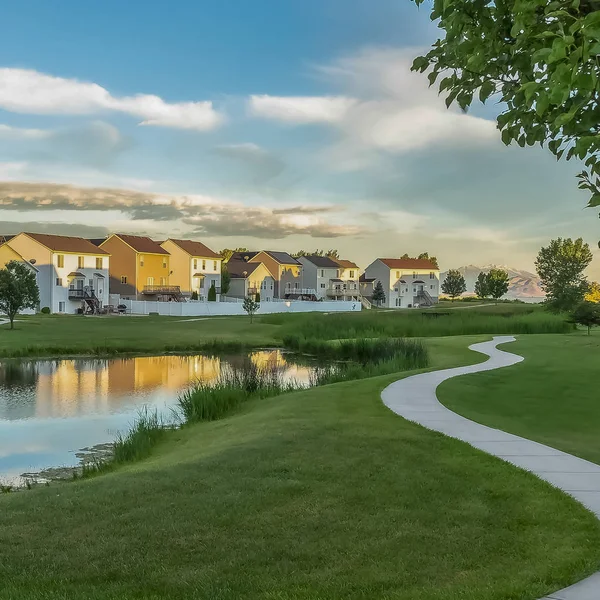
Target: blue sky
(271, 124)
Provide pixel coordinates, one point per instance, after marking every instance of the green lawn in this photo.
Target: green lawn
(320, 494)
(552, 397)
(60, 334)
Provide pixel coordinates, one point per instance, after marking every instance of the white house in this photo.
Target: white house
(320, 273)
(72, 272)
(407, 282)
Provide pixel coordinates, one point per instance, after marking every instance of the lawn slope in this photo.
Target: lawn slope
(552, 397)
(314, 495)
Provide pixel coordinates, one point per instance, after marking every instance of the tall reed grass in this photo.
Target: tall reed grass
(302, 330)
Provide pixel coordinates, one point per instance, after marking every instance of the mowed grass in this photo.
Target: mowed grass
(50, 335)
(319, 494)
(552, 397)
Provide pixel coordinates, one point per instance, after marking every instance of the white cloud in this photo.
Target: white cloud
(301, 109)
(19, 133)
(31, 92)
(384, 107)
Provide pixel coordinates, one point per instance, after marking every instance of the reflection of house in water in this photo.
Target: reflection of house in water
(276, 360)
(68, 388)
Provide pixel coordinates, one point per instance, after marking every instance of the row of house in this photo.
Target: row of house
(74, 273)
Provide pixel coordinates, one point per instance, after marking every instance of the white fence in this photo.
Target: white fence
(210, 309)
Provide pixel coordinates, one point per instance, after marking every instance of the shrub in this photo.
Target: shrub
(45, 310)
(194, 295)
(212, 294)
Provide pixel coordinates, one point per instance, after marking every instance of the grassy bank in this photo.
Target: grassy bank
(551, 397)
(317, 494)
(62, 335)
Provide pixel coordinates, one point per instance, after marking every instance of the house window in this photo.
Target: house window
(414, 290)
(322, 286)
(80, 261)
(395, 289)
(163, 281)
(164, 262)
(91, 283)
(351, 274)
(204, 265)
(98, 263)
(296, 285)
(195, 264)
(123, 279)
(215, 268)
(397, 274)
(60, 261)
(432, 275)
(150, 281)
(414, 274)
(61, 307)
(322, 273)
(431, 287)
(141, 260)
(59, 281)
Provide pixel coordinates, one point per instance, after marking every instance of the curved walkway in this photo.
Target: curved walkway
(414, 398)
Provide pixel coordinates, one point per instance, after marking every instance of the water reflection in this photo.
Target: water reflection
(50, 409)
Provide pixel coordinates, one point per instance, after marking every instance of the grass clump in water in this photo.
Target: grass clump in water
(211, 401)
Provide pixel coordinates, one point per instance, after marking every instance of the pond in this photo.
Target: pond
(54, 412)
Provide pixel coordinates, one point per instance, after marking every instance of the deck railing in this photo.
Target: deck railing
(161, 289)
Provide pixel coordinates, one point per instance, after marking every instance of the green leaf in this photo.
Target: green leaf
(420, 64)
(594, 201)
(541, 55)
(529, 89)
(506, 137)
(486, 90)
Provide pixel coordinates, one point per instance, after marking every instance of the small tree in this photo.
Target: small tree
(212, 294)
(250, 306)
(378, 294)
(194, 295)
(257, 297)
(561, 266)
(586, 314)
(18, 290)
(481, 286)
(497, 283)
(225, 279)
(454, 284)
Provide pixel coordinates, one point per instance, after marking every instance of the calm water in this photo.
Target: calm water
(51, 409)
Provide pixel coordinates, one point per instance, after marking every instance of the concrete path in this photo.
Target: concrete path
(414, 398)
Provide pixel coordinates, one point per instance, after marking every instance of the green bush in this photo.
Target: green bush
(194, 295)
(257, 297)
(212, 294)
(45, 310)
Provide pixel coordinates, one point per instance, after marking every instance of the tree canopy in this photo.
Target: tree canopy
(454, 285)
(540, 58)
(497, 283)
(586, 314)
(481, 286)
(423, 256)
(593, 293)
(561, 266)
(378, 294)
(333, 253)
(250, 305)
(227, 253)
(18, 290)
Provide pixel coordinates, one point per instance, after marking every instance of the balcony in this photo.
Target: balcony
(154, 290)
(342, 291)
(253, 290)
(80, 294)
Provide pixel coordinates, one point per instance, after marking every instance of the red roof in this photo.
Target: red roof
(195, 248)
(142, 244)
(409, 263)
(346, 264)
(65, 243)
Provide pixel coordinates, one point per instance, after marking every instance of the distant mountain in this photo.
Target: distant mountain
(523, 284)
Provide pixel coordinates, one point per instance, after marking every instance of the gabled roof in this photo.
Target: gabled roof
(236, 268)
(346, 264)
(196, 249)
(20, 257)
(97, 241)
(283, 258)
(323, 262)
(142, 244)
(364, 279)
(65, 243)
(409, 263)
